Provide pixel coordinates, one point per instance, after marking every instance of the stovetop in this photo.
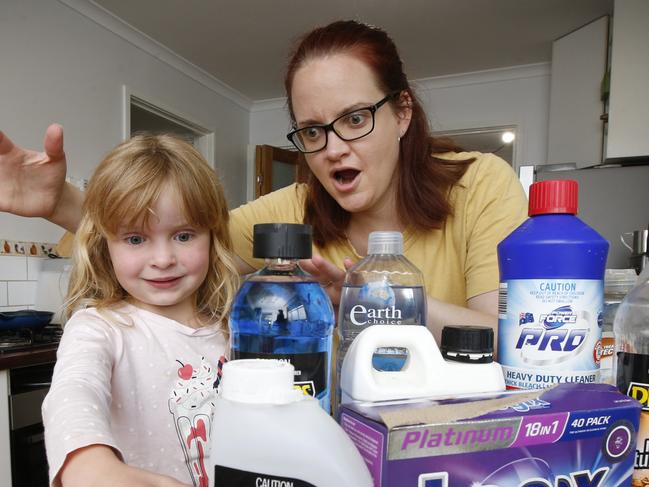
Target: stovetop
(25, 339)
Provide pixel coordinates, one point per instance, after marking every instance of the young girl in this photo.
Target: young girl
(132, 393)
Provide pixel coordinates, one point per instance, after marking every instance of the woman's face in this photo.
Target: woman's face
(359, 175)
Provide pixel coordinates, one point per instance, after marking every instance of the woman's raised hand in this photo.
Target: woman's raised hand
(328, 275)
(31, 182)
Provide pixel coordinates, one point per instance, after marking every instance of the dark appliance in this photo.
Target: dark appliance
(29, 339)
(28, 387)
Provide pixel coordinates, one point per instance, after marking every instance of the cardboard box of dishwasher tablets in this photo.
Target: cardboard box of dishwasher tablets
(571, 435)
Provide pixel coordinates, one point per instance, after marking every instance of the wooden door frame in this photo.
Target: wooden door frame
(264, 157)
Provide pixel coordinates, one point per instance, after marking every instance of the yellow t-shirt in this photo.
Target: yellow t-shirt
(458, 261)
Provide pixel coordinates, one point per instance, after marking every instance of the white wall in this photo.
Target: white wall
(56, 64)
(512, 96)
(519, 96)
(269, 123)
(60, 63)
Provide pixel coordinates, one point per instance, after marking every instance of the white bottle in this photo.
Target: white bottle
(266, 433)
(425, 374)
(384, 288)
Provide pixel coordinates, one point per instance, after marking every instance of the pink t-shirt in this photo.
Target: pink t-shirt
(144, 388)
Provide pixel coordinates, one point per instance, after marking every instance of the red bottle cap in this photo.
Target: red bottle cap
(556, 196)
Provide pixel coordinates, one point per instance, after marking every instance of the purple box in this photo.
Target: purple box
(571, 435)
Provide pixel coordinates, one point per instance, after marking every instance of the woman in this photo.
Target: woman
(374, 167)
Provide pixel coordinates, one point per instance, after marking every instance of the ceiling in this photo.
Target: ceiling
(245, 43)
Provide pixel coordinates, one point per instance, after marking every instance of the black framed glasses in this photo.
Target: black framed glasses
(350, 126)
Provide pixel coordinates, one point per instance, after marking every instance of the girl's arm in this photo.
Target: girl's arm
(33, 183)
(98, 466)
(81, 448)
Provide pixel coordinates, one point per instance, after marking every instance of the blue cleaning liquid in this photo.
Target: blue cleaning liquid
(290, 321)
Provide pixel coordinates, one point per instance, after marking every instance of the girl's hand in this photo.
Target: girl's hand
(328, 275)
(31, 182)
(98, 466)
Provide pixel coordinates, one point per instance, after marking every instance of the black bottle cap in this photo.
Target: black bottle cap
(470, 344)
(281, 241)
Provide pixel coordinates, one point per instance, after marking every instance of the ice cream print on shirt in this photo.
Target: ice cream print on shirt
(191, 403)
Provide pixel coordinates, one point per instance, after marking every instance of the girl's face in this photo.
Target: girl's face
(360, 174)
(162, 265)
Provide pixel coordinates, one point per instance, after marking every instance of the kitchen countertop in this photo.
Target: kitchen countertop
(40, 355)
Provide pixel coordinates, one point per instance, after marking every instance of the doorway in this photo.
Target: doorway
(500, 141)
(144, 114)
(276, 168)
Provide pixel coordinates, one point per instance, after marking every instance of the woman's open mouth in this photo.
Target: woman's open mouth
(345, 179)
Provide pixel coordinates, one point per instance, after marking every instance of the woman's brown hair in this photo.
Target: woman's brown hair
(424, 180)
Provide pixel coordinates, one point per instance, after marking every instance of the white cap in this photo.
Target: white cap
(259, 381)
(385, 243)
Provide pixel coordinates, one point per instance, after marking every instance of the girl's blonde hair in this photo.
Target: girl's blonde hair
(122, 191)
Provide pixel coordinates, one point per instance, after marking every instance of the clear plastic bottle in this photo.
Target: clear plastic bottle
(631, 327)
(281, 312)
(617, 283)
(384, 288)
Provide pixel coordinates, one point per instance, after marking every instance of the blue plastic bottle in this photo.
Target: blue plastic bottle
(551, 293)
(281, 312)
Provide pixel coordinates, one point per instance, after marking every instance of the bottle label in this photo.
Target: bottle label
(232, 477)
(633, 380)
(549, 331)
(608, 355)
(310, 374)
(378, 303)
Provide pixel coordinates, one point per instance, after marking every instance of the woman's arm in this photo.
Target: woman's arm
(67, 213)
(33, 183)
(480, 310)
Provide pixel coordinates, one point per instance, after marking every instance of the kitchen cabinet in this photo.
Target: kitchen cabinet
(575, 131)
(628, 115)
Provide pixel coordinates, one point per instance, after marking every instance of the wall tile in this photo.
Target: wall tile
(13, 268)
(3, 294)
(34, 266)
(12, 308)
(21, 293)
